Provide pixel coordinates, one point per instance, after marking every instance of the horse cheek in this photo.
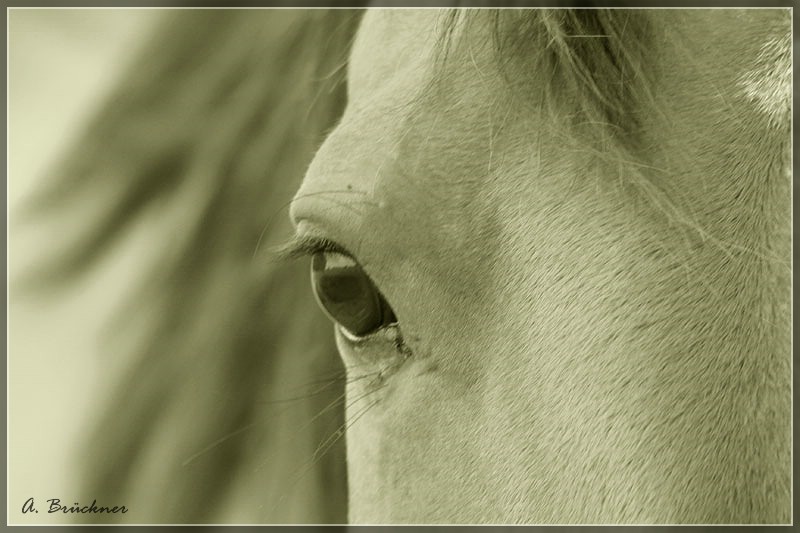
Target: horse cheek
(414, 456)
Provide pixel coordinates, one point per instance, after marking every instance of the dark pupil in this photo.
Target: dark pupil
(348, 296)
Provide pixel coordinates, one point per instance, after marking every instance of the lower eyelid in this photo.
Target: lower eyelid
(380, 347)
(388, 333)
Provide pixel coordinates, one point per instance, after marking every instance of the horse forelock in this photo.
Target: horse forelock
(594, 74)
(594, 62)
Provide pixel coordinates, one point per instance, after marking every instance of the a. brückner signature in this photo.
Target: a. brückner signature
(54, 505)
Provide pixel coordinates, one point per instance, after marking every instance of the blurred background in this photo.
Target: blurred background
(62, 63)
(159, 357)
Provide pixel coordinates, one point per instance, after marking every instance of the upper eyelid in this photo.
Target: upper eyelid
(301, 246)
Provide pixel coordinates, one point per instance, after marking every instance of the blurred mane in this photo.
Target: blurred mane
(211, 130)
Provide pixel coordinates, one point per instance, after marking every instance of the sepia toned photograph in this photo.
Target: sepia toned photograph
(399, 266)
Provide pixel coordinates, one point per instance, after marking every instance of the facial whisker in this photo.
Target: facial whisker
(330, 441)
(216, 443)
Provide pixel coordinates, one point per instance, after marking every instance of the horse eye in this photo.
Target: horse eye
(347, 295)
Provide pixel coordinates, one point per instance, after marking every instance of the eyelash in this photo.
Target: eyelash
(307, 246)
